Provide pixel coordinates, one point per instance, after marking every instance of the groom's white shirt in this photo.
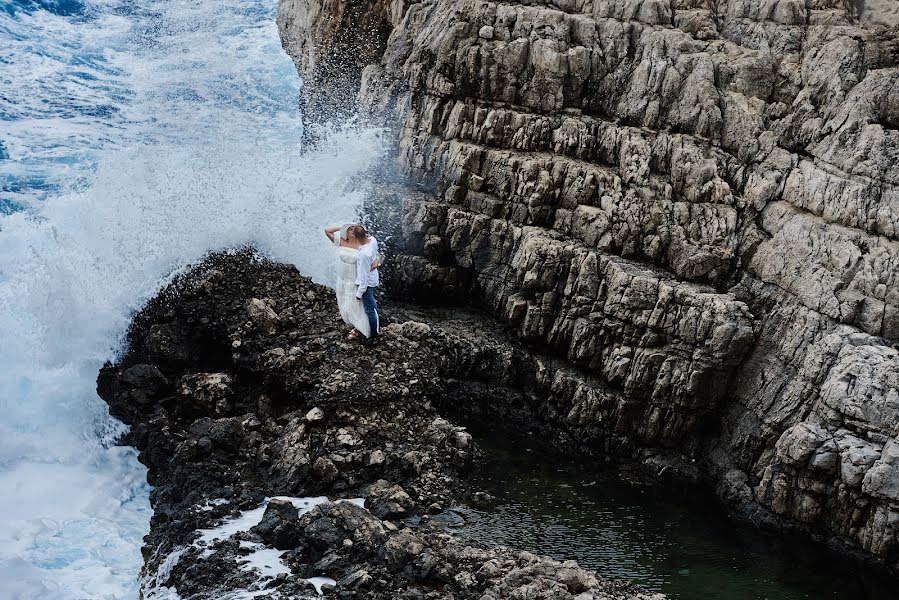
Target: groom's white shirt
(365, 276)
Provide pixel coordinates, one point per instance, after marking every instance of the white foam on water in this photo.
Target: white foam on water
(153, 588)
(318, 582)
(265, 562)
(210, 505)
(196, 149)
(248, 519)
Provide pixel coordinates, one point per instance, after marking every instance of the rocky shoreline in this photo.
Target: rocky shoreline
(265, 433)
(679, 223)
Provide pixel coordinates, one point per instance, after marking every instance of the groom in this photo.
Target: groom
(367, 278)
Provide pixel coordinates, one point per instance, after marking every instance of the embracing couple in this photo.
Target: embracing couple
(357, 276)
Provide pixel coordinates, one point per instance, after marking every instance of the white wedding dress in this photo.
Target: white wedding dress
(351, 310)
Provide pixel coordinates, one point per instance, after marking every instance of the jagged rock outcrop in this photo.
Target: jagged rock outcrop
(434, 558)
(332, 42)
(695, 204)
(251, 409)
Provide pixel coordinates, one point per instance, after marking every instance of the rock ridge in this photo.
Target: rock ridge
(286, 461)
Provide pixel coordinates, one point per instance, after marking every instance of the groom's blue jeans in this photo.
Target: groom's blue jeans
(371, 309)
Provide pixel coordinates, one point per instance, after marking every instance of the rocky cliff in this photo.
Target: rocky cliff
(689, 208)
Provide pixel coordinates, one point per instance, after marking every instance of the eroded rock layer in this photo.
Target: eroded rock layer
(694, 204)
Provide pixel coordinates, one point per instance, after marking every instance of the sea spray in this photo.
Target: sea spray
(198, 149)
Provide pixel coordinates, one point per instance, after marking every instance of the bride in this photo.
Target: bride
(351, 309)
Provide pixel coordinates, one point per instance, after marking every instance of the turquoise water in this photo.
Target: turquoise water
(672, 542)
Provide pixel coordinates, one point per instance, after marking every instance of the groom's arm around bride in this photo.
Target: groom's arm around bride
(367, 276)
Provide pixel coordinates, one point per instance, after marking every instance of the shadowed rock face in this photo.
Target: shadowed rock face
(694, 204)
(331, 42)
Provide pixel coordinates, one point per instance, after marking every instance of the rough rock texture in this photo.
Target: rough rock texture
(433, 558)
(330, 59)
(694, 204)
(246, 402)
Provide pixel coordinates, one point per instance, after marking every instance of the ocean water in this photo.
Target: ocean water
(135, 137)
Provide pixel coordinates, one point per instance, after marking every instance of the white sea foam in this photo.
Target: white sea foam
(318, 582)
(153, 588)
(250, 518)
(198, 150)
(265, 562)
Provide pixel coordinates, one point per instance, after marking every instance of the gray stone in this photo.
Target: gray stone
(324, 469)
(146, 382)
(388, 501)
(882, 480)
(262, 315)
(856, 457)
(279, 525)
(206, 394)
(376, 458)
(798, 443)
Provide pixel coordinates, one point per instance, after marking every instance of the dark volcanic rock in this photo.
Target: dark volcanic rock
(280, 526)
(248, 406)
(434, 564)
(388, 501)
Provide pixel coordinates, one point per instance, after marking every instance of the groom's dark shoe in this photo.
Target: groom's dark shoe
(371, 342)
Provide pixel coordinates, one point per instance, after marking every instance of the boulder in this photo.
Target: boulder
(280, 526)
(263, 315)
(882, 480)
(145, 382)
(315, 415)
(856, 457)
(327, 526)
(387, 501)
(205, 394)
(798, 443)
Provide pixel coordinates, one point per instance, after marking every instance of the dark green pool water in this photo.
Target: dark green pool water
(683, 546)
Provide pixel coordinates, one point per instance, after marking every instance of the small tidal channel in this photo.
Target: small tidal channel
(681, 545)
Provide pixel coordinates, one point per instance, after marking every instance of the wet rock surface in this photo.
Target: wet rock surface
(437, 564)
(251, 410)
(687, 210)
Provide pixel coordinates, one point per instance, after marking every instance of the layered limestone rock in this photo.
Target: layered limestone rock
(694, 205)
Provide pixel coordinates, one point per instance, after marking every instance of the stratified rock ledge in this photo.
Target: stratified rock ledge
(694, 205)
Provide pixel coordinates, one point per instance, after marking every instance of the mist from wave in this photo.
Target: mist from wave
(135, 139)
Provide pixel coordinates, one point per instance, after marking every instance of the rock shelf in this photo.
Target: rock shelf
(286, 459)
